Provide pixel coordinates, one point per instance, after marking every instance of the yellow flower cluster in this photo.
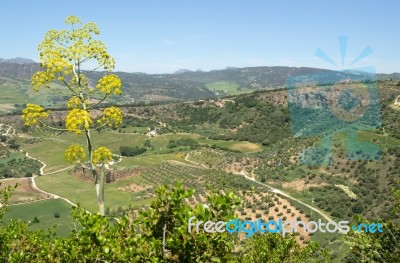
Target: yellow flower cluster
(84, 82)
(75, 102)
(32, 113)
(76, 51)
(72, 20)
(112, 117)
(75, 153)
(55, 63)
(396, 104)
(77, 120)
(41, 78)
(92, 27)
(75, 46)
(102, 155)
(110, 84)
(98, 50)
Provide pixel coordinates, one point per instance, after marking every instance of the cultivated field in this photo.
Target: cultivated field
(24, 193)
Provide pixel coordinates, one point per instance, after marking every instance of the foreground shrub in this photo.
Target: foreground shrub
(158, 234)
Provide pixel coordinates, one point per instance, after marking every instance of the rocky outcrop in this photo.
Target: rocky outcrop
(18, 70)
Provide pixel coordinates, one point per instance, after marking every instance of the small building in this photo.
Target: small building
(152, 133)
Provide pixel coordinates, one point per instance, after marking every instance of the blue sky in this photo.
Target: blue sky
(159, 36)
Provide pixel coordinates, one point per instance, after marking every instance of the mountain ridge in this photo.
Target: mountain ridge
(18, 60)
(190, 85)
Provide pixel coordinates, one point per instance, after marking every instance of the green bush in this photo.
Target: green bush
(131, 151)
(140, 239)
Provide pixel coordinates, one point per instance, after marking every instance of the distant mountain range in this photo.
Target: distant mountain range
(18, 68)
(182, 70)
(18, 60)
(185, 84)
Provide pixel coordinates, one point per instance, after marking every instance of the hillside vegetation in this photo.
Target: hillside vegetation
(226, 143)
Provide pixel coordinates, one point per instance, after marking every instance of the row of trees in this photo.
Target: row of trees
(189, 142)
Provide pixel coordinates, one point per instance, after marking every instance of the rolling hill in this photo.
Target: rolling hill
(15, 77)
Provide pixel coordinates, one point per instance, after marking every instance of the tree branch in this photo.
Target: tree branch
(60, 43)
(68, 86)
(92, 105)
(76, 76)
(96, 68)
(51, 128)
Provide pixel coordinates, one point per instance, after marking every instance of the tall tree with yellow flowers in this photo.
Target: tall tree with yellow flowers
(63, 54)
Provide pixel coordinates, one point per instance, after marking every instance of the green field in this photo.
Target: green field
(230, 88)
(44, 211)
(241, 146)
(135, 130)
(19, 92)
(81, 192)
(51, 149)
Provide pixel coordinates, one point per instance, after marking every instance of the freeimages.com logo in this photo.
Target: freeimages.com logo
(325, 102)
(283, 227)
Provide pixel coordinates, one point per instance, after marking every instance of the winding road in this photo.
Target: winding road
(32, 179)
(51, 195)
(44, 166)
(273, 190)
(34, 186)
(8, 130)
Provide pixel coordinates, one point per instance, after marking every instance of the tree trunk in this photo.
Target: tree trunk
(100, 190)
(98, 180)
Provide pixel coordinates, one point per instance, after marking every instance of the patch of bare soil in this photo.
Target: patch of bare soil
(293, 159)
(134, 188)
(247, 164)
(24, 192)
(300, 185)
